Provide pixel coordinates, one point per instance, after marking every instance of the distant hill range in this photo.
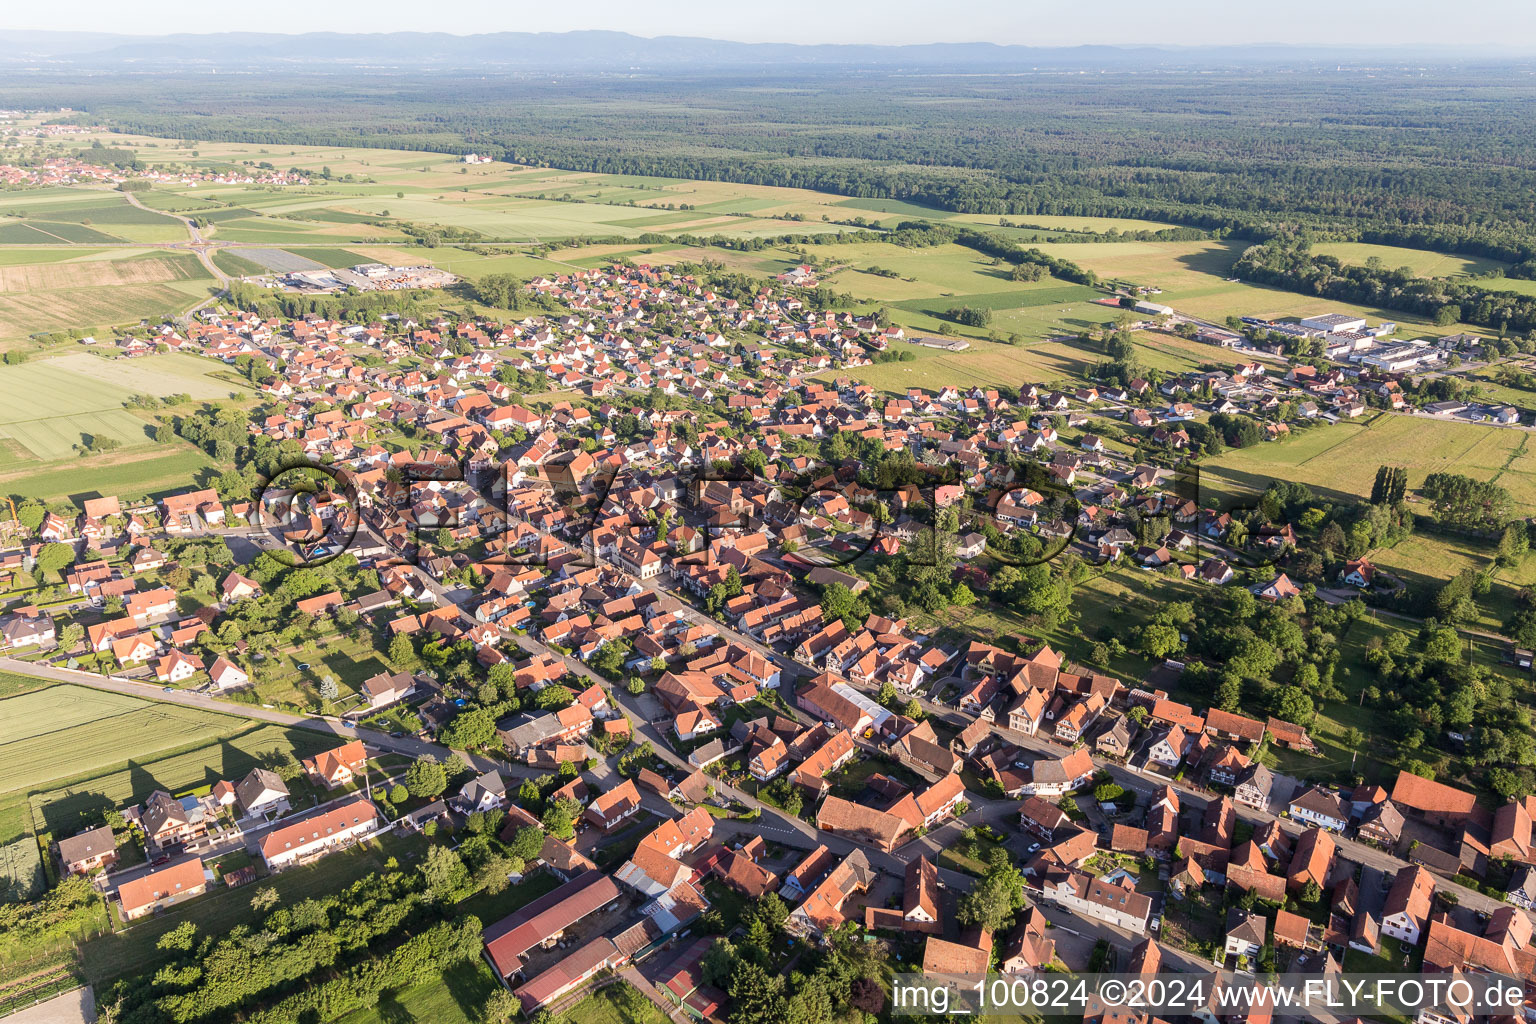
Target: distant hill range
(618, 52)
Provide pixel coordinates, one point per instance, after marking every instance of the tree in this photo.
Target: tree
(526, 843)
(473, 728)
(912, 709)
(1513, 544)
(444, 872)
(1160, 641)
(426, 778)
(757, 997)
(1311, 893)
(995, 898)
(183, 937)
(1292, 704)
(401, 650)
(500, 1007)
(1108, 792)
(1229, 692)
(31, 515)
(500, 290)
(610, 658)
(285, 765)
(492, 875)
(328, 688)
(719, 962)
(837, 602)
(54, 557)
(560, 819)
(398, 794)
(554, 697)
(264, 899)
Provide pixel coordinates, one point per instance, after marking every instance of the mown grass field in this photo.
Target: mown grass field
(1428, 559)
(47, 406)
(348, 661)
(1421, 262)
(168, 373)
(454, 998)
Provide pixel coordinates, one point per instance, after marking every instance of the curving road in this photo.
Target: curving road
(195, 241)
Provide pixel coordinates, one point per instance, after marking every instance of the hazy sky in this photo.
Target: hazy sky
(1500, 24)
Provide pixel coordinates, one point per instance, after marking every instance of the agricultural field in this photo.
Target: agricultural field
(1340, 461)
(97, 288)
(97, 728)
(983, 363)
(503, 202)
(189, 764)
(81, 214)
(119, 749)
(1194, 276)
(147, 472)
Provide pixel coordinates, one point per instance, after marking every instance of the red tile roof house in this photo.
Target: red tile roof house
(920, 905)
(1433, 801)
(333, 768)
(179, 880)
(226, 675)
(318, 834)
(151, 604)
(545, 920)
(1405, 914)
(614, 807)
(1312, 861)
(1119, 905)
(824, 907)
(319, 604)
(879, 829)
(943, 957)
(176, 667)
